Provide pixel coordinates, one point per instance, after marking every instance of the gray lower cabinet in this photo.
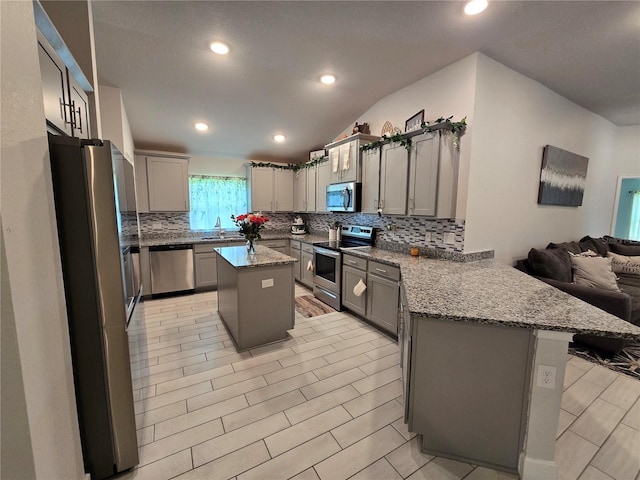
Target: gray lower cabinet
(306, 275)
(350, 278)
(281, 245)
(204, 261)
(381, 300)
(205, 268)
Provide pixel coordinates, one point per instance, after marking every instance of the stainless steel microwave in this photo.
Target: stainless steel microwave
(344, 197)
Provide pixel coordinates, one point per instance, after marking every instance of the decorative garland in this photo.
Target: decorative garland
(290, 166)
(456, 128)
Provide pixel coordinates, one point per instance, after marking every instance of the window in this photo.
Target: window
(213, 197)
(634, 226)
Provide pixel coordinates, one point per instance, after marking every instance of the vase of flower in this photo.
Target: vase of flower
(251, 248)
(250, 225)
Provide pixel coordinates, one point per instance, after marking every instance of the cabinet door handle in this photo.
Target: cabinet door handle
(352, 262)
(63, 111)
(79, 123)
(381, 270)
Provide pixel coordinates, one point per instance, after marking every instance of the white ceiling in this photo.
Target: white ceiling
(158, 54)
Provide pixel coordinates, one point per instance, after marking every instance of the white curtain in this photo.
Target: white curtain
(213, 197)
(634, 225)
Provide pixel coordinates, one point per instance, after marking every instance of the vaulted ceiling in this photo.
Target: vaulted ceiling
(158, 54)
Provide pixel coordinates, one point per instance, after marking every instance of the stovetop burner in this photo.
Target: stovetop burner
(353, 236)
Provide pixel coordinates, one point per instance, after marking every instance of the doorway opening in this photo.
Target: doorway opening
(626, 210)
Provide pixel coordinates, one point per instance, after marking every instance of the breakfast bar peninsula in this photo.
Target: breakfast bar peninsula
(255, 294)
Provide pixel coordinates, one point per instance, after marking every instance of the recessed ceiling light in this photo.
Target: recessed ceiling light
(201, 126)
(328, 79)
(219, 48)
(475, 6)
(279, 138)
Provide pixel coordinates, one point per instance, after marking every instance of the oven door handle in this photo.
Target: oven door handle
(328, 253)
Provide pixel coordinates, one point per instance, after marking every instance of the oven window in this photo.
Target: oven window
(326, 267)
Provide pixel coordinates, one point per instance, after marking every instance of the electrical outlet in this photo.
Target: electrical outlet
(450, 238)
(546, 377)
(427, 237)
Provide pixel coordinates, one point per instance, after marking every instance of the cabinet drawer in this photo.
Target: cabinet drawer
(384, 270)
(274, 243)
(355, 262)
(295, 244)
(307, 247)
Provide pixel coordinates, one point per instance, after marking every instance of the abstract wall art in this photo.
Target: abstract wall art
(562, 178)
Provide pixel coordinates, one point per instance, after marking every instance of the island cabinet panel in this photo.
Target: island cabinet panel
(255, 297)
(294, 251)
(475, 400)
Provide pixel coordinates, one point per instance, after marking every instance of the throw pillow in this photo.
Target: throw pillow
(624, 264)
(596, 244)
(571, 247)
(622, 249)
(551, 263)
(594, 272)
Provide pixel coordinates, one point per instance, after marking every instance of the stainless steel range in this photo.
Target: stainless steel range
(327, 261)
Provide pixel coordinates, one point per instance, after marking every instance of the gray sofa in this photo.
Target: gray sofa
(553, 266)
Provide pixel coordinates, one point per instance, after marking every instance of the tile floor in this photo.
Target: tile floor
(326, 404)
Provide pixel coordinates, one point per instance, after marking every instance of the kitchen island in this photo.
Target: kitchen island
(484, 349)
(255, 295)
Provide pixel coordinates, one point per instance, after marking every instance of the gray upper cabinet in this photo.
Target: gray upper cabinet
(55, 91)
(323, 178)
(394, 171)
(370, 180)
(261, 189)
(423, 175)
(304, 190)
(79, 109)
(270, 189)
(162, 182)
(283, 190)
(66, 104)
(344, 158)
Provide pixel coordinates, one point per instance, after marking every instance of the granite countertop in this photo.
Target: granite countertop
(228, 237)
(478, 291)
(264, 257)
(493, 293)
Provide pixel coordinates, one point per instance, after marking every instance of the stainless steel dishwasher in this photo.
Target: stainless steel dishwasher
(171, 268)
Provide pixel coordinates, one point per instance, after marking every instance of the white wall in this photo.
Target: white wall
(450, 91)
(36, 355)
(514, 118)
(223, 167)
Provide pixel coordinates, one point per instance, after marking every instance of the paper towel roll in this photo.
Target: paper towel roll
(310, 266)
(332, 234)
(359, 289)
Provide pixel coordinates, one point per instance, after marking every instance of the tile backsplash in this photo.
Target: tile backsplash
(394, 233)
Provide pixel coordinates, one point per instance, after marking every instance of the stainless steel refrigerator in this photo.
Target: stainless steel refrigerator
(93, 246)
